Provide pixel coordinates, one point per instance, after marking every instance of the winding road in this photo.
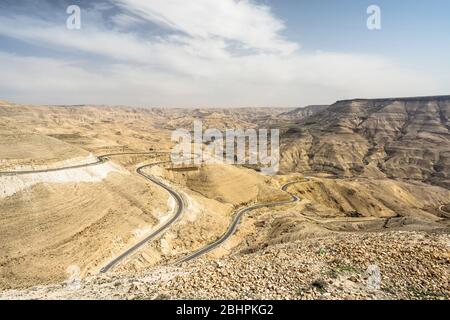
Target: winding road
(103, 158)
(179, 207)
(154, 234)
(237, 219)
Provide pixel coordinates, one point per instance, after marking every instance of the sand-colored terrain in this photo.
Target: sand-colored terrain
(28, 151)
(364, 171)
(50, 226)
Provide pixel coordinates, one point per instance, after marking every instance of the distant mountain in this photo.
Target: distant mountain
(301, 113)
(397, 137)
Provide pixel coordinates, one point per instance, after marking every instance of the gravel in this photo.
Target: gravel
(412, 265)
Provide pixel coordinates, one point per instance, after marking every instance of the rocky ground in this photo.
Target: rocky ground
(412, 265)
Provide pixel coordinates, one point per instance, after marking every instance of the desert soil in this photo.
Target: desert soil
(372, 181)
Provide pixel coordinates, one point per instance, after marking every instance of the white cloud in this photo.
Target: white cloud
(215, 53)
(251, 25)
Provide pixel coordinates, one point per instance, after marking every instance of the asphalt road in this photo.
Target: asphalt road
(236, 220)
(104, 158)
(99, 160)
(154, 234)
(13, 173)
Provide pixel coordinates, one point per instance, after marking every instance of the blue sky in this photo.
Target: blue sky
(222, 53)
(415, 31)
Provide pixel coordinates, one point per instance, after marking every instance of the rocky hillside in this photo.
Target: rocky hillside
(397, 138)
(324, 268)
(301, 113)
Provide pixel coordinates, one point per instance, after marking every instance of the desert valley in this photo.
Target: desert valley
(92, 207)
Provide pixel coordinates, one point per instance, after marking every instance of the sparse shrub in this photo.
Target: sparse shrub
(320, 284)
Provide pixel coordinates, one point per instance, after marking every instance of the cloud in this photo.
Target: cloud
(125, 20)
(210, 53)
(244, 22)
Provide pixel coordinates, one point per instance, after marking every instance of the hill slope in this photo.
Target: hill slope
(398, 138)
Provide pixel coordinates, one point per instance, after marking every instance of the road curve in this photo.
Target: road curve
(443, 212)
(236, 220)
(154, 234)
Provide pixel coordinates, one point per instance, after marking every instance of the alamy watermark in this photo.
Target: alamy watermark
(373, 277)
(374, 19)
(73, 22)
(234, 146)
(74, 280)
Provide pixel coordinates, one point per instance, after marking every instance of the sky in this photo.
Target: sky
(222, 53)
